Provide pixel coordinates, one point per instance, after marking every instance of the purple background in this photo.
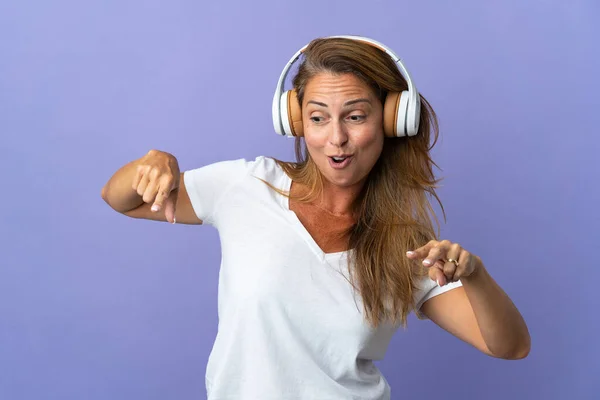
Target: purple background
(94, 305)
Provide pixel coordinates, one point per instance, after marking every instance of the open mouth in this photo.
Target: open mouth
(339, 162)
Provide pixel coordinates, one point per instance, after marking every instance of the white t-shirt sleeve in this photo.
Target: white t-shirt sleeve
(429, 289)
(206, 185)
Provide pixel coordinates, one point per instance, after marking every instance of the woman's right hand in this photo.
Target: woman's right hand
(157, 177)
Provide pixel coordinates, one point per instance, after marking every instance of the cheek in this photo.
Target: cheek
(314, 151)
(372, 144)
(314, 144)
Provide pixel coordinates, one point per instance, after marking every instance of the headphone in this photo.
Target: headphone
(401, 111)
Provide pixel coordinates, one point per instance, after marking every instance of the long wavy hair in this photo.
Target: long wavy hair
(393, 211)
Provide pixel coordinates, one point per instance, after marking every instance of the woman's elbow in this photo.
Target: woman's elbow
(518, 352)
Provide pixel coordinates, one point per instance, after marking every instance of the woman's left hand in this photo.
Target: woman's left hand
(447, 261)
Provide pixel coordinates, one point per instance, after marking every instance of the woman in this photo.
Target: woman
(323, 259)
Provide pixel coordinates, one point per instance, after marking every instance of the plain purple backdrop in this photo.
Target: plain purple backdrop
(94, 305)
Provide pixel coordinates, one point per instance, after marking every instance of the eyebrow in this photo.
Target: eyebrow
(346, 104)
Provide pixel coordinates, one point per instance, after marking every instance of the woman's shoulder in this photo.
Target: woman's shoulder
(266, 167)
(239, 170)
(259, 164)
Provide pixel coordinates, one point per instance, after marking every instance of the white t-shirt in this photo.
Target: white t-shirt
(290, 324)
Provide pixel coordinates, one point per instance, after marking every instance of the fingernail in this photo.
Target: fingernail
(438, 282)
(154, 208)
(410, 253)
(427, 262)
(174, 220)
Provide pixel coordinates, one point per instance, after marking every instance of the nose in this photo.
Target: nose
(338, 135)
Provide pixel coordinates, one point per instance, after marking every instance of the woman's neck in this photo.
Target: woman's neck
(338, 201)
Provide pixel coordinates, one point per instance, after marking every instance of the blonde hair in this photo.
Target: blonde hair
(394, 214)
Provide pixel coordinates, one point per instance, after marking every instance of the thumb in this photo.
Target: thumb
(170, 206)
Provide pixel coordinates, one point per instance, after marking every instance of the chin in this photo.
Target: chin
(340, 178)
(341, 182)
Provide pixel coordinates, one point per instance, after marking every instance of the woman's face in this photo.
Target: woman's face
(342, 117)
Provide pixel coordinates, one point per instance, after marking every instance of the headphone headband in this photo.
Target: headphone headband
(413, 95)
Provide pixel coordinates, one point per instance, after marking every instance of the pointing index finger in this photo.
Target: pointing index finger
(164, 190)
(422, 251)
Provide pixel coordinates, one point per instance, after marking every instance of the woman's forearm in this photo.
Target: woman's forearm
(118, 191)
(501, 324)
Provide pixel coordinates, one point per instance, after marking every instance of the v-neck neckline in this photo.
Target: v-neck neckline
(285, 203)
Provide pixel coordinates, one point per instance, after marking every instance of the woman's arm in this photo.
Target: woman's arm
(479, 312)
(151, 188)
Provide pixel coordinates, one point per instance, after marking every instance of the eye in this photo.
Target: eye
(317, 120)
(356, 118)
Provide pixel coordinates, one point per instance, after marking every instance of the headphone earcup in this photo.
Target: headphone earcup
(394, 114)
(291, 114)
(390, 114)
(295, 113)
(413, 118)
